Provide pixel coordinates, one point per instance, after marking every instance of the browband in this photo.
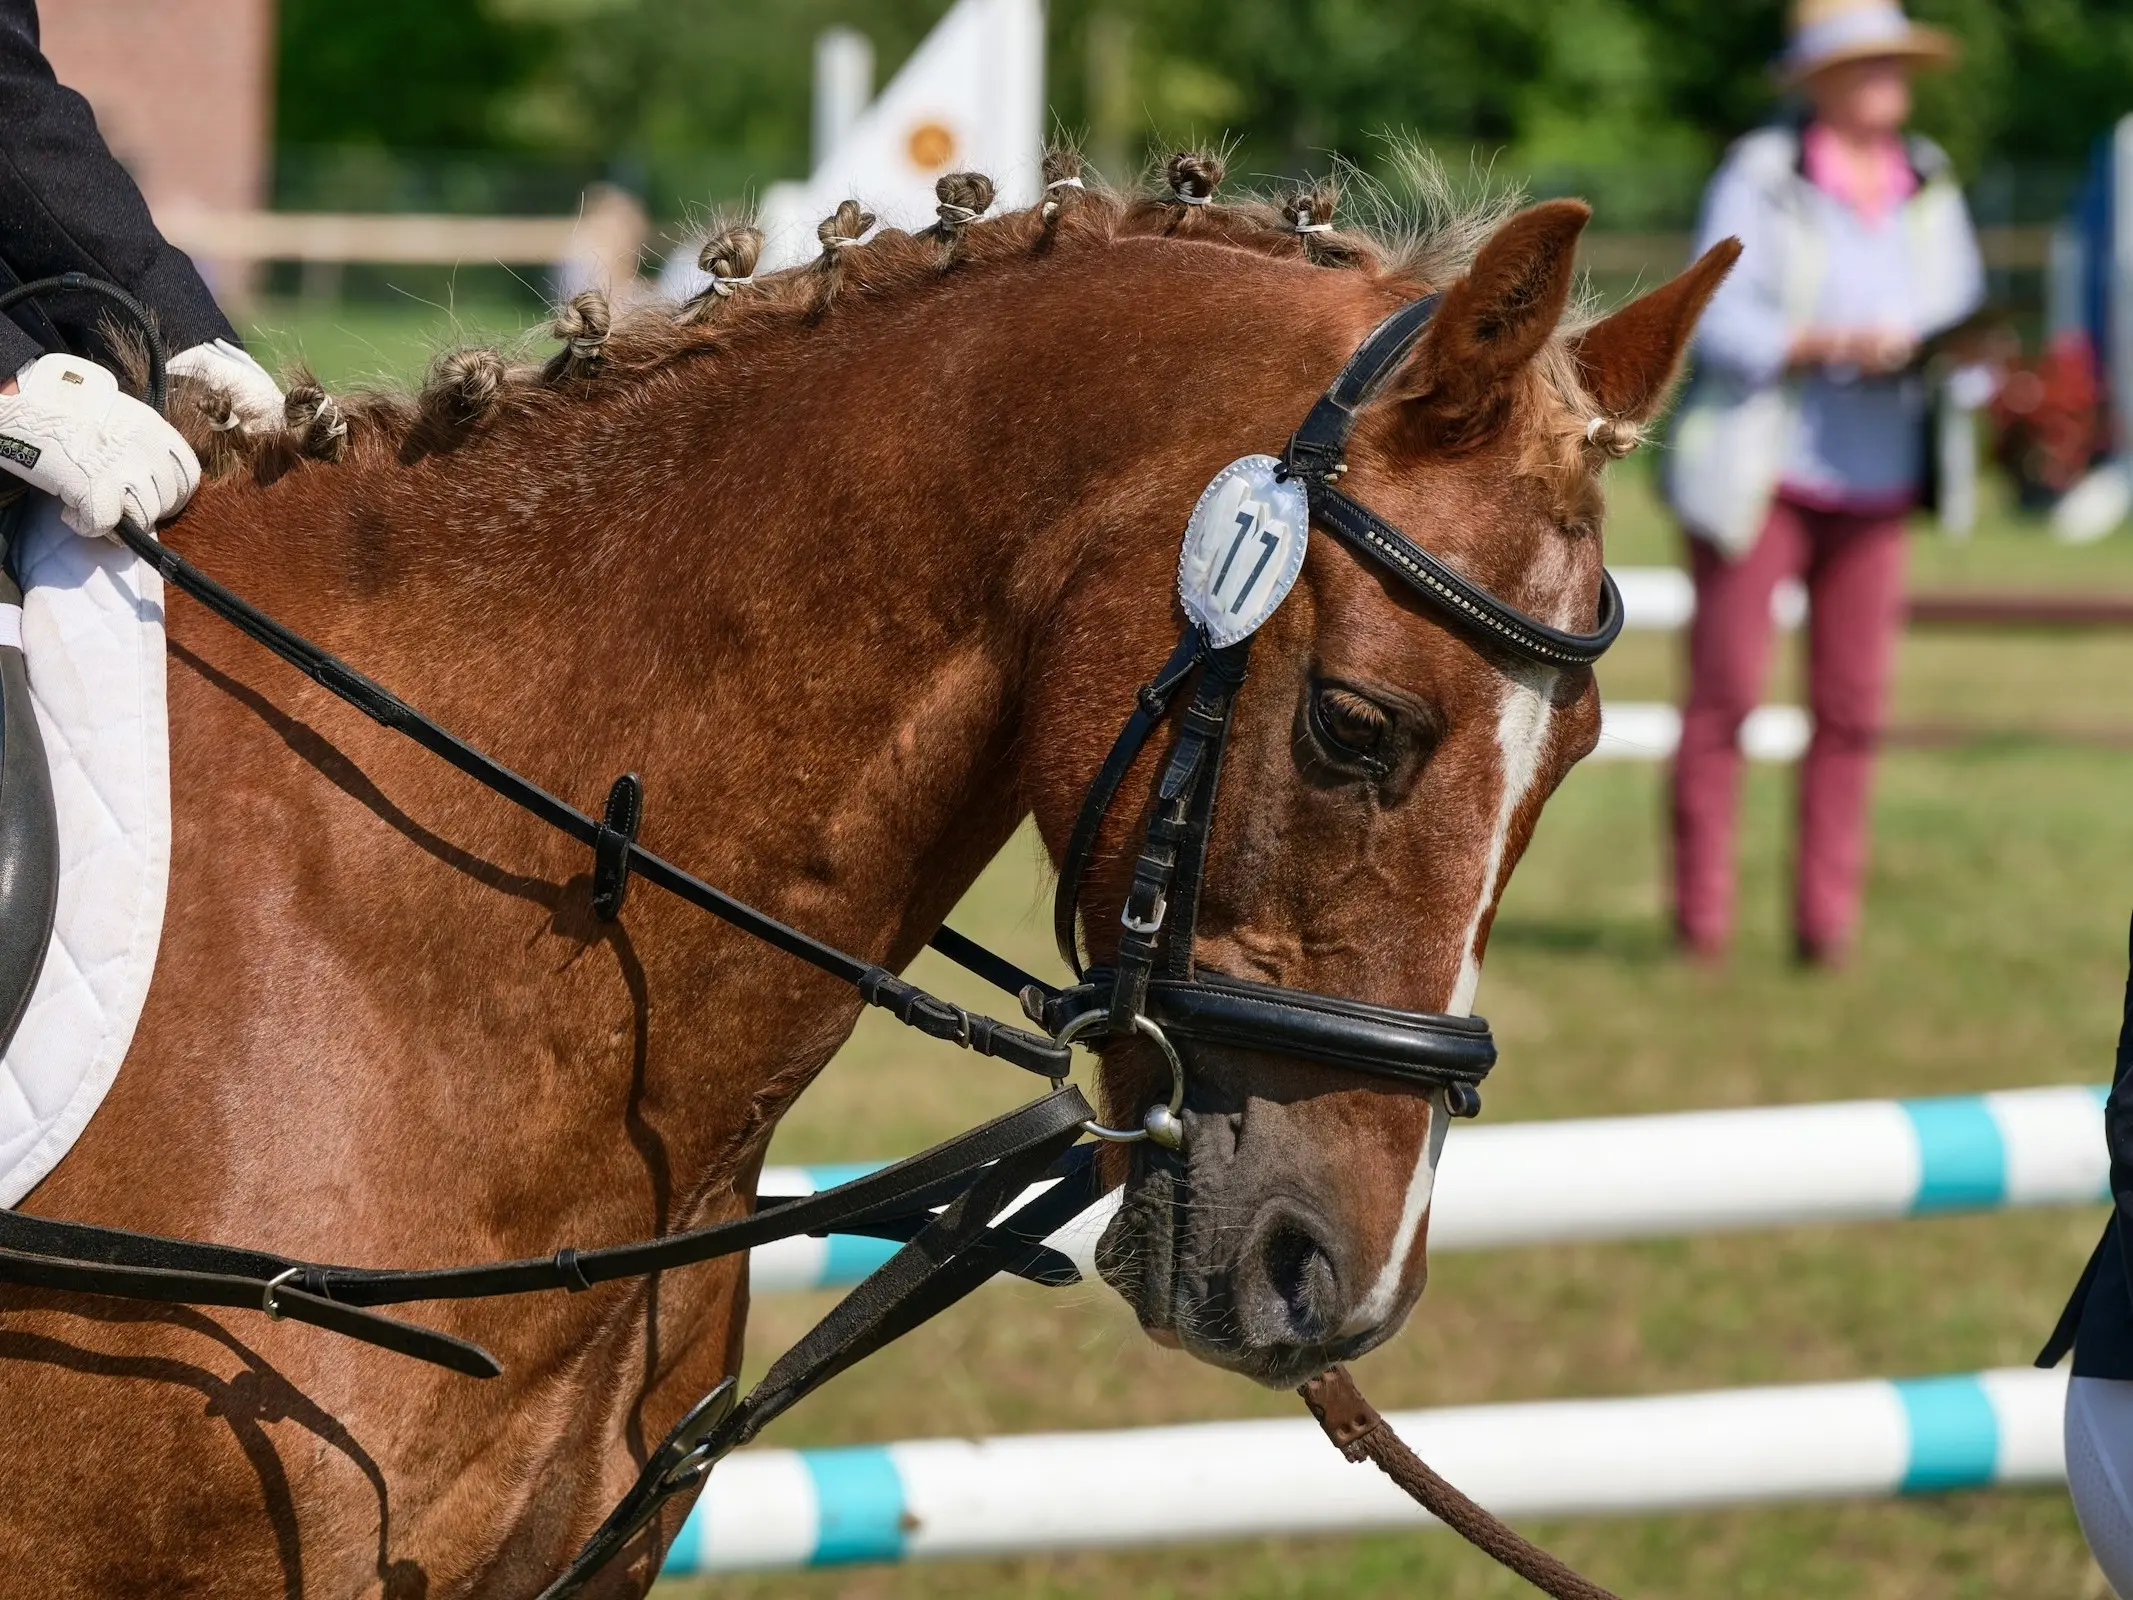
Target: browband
(1316, 457)
(1465, 603)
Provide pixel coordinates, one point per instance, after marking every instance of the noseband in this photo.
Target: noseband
(1153, 987)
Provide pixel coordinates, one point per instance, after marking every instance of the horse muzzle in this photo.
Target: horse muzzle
(1241, 1247)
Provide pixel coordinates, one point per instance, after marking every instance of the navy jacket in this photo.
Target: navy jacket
(2097, 1324)
(66, 205)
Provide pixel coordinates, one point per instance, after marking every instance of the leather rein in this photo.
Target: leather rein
(960, 1208)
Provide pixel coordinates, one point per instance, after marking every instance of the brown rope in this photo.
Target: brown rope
(1353, 1424)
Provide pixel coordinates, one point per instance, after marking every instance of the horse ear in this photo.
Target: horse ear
(1496, 318)
(1628, 360)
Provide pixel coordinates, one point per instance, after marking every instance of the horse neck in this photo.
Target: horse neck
(803, 584)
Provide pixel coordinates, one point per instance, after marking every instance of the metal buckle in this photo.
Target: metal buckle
(266, 1295)
(962, 1025)
(1153, 925)
(691, 1440)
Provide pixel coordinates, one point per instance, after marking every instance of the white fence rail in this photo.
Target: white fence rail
(1231, 1480)
(1522, 1183)
(1644, 731)
(1662, 599)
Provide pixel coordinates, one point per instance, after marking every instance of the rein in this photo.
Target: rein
(1361, 1434)
(949, 1204)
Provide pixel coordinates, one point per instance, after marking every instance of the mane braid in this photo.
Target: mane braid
(1427, 240)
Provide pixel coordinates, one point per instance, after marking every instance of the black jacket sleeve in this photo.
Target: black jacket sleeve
(66, 205)
(2097, 1324)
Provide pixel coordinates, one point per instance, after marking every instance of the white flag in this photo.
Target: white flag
(970, 99)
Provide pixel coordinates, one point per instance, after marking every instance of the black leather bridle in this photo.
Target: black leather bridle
(955, 1205)
(1152, 986)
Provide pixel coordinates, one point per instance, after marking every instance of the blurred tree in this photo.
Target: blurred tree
(410, 74)
(1566, 91)
(2042, 79)
(670, 79)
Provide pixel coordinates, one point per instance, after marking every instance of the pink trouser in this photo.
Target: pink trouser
(1853, 567)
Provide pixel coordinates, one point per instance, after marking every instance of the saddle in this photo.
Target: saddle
(29, 826)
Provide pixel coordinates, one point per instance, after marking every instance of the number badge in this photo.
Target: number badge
(1243, 549)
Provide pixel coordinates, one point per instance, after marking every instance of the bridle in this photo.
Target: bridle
(955, 1206)
(1152, 987)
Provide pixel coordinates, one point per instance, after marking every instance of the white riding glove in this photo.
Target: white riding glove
(256, 401)
(102, 454)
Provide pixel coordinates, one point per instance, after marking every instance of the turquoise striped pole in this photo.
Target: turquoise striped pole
(1685, 1172)
(1230, 1480)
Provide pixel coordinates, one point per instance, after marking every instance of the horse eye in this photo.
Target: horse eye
(1349, 725)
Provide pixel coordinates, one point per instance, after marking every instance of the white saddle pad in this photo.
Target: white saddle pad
(92, 630)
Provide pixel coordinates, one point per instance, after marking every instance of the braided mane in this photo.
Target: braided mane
(1425, 240)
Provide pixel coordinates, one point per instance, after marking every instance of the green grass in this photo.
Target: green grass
(1993, 956)
(349, 345)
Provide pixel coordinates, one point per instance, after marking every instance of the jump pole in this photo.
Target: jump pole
(1525, 1183)
(930, 1498)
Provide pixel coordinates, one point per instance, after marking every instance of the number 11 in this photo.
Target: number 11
(1247, 519)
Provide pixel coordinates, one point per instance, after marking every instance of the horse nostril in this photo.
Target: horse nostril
(1303, 1289)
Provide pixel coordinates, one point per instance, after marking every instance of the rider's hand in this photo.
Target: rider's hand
(1884, 349)
(1876, 350)
(68, 431)
(256, 401)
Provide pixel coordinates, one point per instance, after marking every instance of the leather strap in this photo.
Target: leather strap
(1150, 705)
(1481, 614)
(1316, 454)
(1226, 670)
(84, 1258)
(42, 1270)
(947, 1259)
(990, 965)
(1316, 448)
(1171, 838)
(619, 823)
(1354, 1424)
(1422, 1047)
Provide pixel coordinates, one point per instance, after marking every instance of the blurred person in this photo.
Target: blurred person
(1800, 446)
(66, 205)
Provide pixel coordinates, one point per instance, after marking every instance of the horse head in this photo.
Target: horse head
(1383, 774)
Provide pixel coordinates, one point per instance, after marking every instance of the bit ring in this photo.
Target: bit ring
(1161, 1125)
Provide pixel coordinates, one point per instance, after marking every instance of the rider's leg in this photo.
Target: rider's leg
(1729, 657)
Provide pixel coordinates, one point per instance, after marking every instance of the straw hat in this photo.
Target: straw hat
(1828, 33)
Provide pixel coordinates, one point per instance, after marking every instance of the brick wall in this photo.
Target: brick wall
(183, 90)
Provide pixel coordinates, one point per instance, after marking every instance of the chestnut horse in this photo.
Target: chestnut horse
(859, 566)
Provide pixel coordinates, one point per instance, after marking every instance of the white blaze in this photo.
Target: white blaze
(1521, 739)
(1376, 1306)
